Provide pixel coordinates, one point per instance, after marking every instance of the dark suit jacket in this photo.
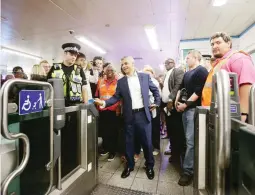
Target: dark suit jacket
(122, 92)
(175, 81)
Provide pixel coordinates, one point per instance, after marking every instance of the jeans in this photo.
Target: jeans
(188, 125)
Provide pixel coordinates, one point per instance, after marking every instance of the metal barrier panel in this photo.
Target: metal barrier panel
(232, 172)
(219, 129)
(201, 122)
(252, 106)
(247, 160)
(13, 127)
(84, 179)
(35, 178)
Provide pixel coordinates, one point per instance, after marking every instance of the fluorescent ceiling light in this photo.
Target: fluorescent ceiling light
(219, 2)
(20, 53)
(152, 36)
(90, 44)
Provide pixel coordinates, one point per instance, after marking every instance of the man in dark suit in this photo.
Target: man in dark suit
(172, 83)
(134, 90)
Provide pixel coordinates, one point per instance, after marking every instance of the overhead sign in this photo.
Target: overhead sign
(31, 101)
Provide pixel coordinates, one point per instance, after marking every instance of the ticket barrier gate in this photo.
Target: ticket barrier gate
(246, 141)
(207, 132)
(34, 167)
(224, 159)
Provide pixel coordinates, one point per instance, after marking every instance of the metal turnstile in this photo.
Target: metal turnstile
(227, 141)
(16, 142)
(39, 158)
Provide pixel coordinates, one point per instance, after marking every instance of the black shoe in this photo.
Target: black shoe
(111, 157)
(126, 172)
(150, 173)
(167, 152)
(185, 180)
(103, 153)
(170, 160)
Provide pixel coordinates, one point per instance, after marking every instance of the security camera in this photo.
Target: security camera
(71, 32)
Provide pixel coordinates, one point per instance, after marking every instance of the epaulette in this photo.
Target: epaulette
(57, 66)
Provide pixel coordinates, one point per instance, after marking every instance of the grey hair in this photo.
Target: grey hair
(111, 66)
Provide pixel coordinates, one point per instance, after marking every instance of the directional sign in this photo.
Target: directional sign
(31, 101)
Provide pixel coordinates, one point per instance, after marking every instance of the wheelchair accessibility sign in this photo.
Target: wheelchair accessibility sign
(31, 101)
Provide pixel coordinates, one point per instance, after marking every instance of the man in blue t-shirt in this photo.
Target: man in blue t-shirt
(192, 86)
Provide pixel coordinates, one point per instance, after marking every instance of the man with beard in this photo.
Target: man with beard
(237, 62)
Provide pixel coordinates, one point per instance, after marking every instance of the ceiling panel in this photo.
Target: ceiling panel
(232, 18)
(209, 19)
(161, 6)
(240, 23)
(41, 27)
(33, 17)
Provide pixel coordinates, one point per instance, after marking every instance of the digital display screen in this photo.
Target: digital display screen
(232, 86)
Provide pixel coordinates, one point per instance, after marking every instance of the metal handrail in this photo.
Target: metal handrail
(223, 132)
(220, 105)
(11, 136)
(227, 120)
(252, 105)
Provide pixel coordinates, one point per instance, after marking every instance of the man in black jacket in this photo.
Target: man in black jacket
(171, 85)
(193, 83)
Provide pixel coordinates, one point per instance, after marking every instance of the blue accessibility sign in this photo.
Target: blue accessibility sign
(31, 101)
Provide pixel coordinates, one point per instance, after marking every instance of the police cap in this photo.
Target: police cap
(71, 47)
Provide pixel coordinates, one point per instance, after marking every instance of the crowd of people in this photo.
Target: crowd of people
(136, 106)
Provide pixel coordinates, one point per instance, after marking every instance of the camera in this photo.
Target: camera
(71, 32)
(183, 96)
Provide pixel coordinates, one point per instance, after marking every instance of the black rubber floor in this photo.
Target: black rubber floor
(102, 189)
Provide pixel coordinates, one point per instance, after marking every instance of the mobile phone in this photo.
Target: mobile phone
(91, 101)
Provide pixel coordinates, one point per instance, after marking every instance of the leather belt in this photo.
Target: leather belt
(138, 110)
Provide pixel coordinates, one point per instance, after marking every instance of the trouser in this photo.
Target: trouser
(188, 124)
(108, 124)
(155, 122)
(175, 133)
(121, 136)
(155, 136)
(140, 130)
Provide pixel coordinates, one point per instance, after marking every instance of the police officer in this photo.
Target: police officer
(75, 92)
(73, 78)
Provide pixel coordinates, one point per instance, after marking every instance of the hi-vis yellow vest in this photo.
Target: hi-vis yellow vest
(207, 90)
(74, 87)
